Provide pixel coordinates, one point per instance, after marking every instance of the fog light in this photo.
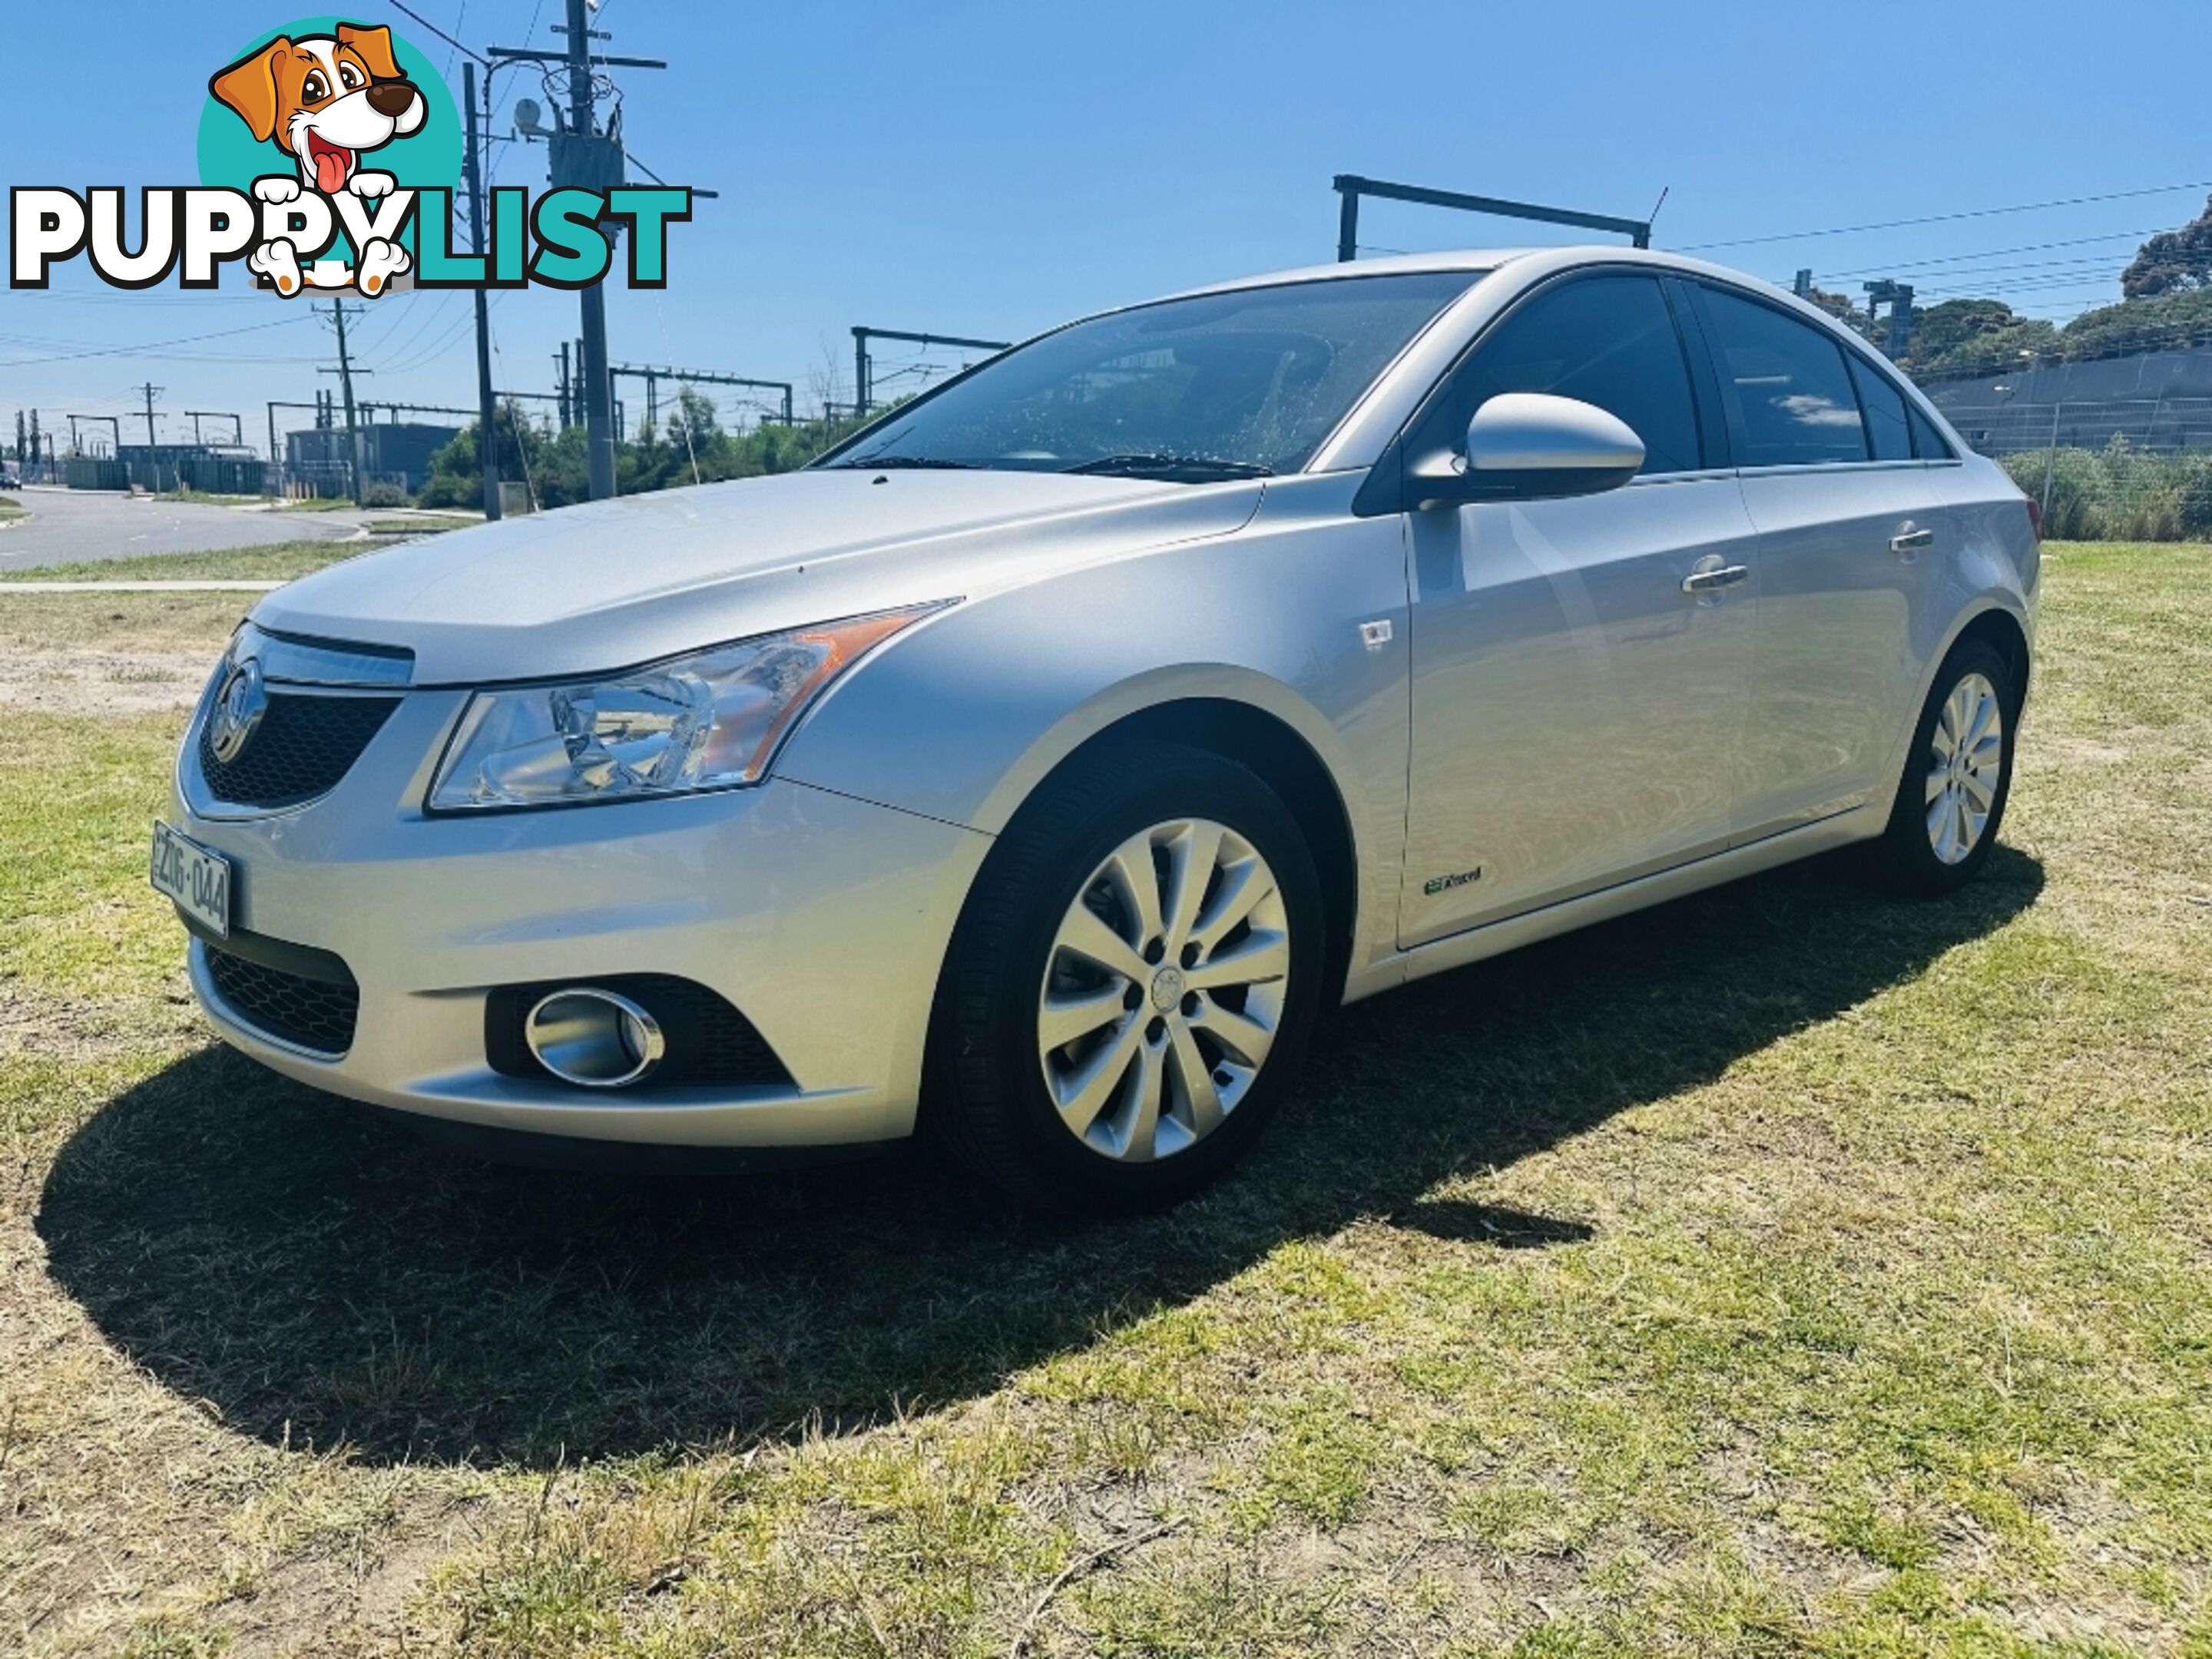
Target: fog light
(594, 1038)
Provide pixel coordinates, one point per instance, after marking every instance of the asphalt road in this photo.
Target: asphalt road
(66, 526)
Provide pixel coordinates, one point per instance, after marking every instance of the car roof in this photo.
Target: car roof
(1480, 261)
(1471, 259)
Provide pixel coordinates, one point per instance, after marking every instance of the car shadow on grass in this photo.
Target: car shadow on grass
(321, 1278)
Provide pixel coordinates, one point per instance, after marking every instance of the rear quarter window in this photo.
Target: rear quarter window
(1883, 405)
(1928, 444)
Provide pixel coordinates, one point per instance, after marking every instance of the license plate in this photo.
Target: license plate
(196, 878)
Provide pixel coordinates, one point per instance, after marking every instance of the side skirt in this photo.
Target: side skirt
(1493, 938)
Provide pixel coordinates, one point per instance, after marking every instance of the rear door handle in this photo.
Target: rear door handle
(1707, 581)
(1911, 541)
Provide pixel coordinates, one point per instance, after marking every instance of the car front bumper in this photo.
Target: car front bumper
(821, 918)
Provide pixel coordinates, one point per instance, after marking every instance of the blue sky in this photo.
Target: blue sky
(989, 169)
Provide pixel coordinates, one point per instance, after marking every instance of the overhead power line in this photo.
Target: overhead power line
(151, 345)
(1986, 253)
(2016, 274)
(458, 21)
(407, 10)
(1948, 218)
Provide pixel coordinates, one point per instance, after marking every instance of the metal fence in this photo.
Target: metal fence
(2150, 426)
(2113, 469)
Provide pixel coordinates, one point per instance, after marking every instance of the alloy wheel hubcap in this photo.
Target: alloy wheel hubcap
(1966, 752)
(1164, 990)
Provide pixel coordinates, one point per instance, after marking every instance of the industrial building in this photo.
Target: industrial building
(392, 452)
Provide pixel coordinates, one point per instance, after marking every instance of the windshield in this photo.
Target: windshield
(1236, 385)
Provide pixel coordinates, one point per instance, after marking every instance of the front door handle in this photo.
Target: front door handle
(1708, 581)
(1909, 540)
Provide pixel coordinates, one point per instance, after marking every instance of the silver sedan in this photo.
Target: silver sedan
(1030, 770)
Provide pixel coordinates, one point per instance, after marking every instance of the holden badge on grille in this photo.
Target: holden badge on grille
(239, 707)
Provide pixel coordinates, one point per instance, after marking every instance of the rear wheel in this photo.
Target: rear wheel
(1131, 984)
(1958, 775)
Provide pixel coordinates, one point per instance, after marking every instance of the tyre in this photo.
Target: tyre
(1131, 984)
(1957, 774)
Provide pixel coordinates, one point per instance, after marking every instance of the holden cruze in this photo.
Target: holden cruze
(1032, 769)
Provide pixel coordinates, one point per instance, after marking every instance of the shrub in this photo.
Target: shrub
(2117, 493)
(2193, 498)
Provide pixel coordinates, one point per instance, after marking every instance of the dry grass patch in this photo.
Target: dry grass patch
(56, 626)
(273, 562)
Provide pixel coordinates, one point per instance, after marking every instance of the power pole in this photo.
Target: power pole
(863, 375)
(566, 422)
(237, 425)
(651, 373)
(598, 385)
(114, 426)
(345, 384)
(152, 392)
(487, 424)
(586, 158)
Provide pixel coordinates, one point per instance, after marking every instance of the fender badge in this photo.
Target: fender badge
(1436, 885)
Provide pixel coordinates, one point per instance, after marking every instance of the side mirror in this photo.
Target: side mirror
(1530, 446)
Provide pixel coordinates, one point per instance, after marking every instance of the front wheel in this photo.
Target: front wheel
(1131, 984)
(1958, 775)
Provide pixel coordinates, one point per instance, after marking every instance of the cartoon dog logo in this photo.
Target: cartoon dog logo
(326, 99)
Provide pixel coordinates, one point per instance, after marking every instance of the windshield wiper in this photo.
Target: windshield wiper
(889, 463)
(1188, 468)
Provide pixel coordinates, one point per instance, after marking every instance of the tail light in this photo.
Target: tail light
(2035, 519)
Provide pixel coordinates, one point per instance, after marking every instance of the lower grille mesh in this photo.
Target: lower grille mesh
(309, 1013)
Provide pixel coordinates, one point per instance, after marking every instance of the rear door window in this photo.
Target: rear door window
(1784, 386)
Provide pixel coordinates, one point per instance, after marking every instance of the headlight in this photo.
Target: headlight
(707, 721)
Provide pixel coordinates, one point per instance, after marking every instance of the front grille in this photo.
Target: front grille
(710, 1043)
(308, 1013)
(302, 746)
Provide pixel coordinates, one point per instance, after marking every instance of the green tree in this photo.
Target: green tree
(2173, 261)
(2157, 322)
(457, 475)
(1974, 336)
(1841, 307)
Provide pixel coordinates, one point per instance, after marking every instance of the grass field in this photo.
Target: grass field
(1786, 1271)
